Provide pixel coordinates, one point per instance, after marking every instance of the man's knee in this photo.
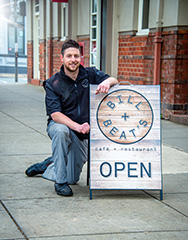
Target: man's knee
(61, 130)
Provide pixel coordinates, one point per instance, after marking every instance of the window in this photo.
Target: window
(36, 43)
(95, 34)
(19, 31)
(37, 6)
(11, 39)
(143, 17)
(64, 21)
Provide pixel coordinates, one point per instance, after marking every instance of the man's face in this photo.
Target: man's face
(71, 59)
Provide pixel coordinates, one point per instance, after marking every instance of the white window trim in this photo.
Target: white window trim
(140, 17)
(64, 32)
(36, 43)
(98, 14)
(35, 6)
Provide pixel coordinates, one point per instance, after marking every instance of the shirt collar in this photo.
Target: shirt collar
(81, 75)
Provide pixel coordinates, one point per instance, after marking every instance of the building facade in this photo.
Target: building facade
(139, 41)
(13, 36)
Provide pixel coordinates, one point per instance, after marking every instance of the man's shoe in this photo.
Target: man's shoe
(63, 189)
(38, 168)
(33, 170)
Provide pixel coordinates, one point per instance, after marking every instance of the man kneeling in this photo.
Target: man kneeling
(67, 105)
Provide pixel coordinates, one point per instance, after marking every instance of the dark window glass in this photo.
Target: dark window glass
(145, 19)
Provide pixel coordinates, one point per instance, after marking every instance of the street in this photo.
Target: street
(10, 78)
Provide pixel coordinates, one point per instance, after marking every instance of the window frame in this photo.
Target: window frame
(142, 31)
(95, 13)
(64, 21)
(36, 43)
(11, 34)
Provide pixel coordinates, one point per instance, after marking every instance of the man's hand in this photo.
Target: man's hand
(63, 119)
(83, 128)
(104, 87)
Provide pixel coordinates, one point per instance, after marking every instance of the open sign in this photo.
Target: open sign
(125, 139)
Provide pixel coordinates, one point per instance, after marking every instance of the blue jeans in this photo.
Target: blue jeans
(69, 154)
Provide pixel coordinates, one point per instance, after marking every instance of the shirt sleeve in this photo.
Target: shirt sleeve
(52, 100)
(99, 76)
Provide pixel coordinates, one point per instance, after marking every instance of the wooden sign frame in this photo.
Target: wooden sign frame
(125, 138)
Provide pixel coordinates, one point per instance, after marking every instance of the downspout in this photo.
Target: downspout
(49, 35)
(50, 58)
(158, 42)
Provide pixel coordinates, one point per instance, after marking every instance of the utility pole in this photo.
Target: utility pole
(16, 41)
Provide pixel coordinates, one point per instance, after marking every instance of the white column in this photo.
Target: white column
(56, 20)
(115, 27)
(29, 14)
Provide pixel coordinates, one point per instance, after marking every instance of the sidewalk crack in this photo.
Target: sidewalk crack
(166, 204)
(15, 222)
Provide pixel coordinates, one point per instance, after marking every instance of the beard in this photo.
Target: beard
(72, 67)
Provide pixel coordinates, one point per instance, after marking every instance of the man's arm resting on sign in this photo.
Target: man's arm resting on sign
(106, 85)
(63, 119)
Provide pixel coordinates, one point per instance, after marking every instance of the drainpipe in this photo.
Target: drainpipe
(50, 59)
(158, 41)
(49, 37)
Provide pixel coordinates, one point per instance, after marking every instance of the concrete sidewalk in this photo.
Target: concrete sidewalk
(30, 208)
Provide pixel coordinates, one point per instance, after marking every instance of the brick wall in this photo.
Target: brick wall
(42, 59)
(135, 59)
(57, 43)
(29, 60)
(136, 64)
(49, 63)
(86, 56)
(50, 58)
(174, 73)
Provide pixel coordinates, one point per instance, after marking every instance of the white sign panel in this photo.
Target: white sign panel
(125, 144)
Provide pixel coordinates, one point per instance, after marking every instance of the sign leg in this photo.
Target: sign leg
(161, 194)
(90, 196)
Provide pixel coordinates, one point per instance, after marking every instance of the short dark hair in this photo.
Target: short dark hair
(68, 44)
